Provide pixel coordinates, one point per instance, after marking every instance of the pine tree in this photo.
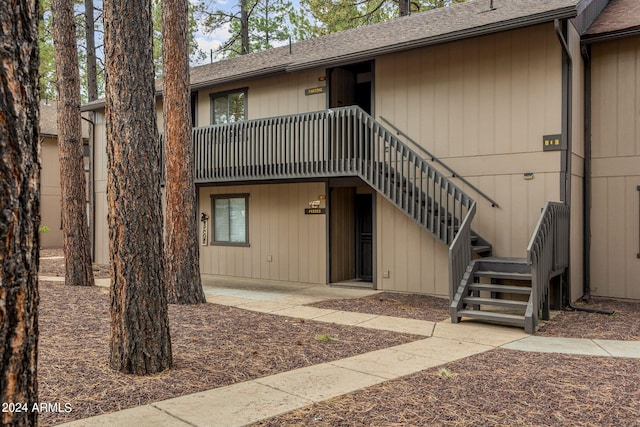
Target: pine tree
(140, 341)
(75, 229)
(20, 213)
(182, 254)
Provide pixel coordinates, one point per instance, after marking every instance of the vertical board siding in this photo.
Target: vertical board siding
(278, 228)
(342, 234)
(415, 260)
(50, 197)
(577, 169)
(484, 105)
(615, 213)
(101, 228)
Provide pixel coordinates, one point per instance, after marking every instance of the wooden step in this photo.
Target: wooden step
(494, 287)
(521, 305)
(481, 249)
(488, 316)
(503, 275)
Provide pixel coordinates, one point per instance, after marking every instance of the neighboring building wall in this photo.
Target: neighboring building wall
(101, 228)
(50, 199)
(481, 105)
(615, 267)
(285, 244)
(577, 167)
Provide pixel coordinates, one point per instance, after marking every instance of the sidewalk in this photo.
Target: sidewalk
(255, 400)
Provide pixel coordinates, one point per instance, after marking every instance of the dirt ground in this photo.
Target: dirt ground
(215, 345)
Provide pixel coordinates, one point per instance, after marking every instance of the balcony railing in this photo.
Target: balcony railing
(339, 142)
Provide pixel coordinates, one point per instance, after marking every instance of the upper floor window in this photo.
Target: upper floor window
(228, 107)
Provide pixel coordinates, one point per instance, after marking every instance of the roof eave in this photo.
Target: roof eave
(613, 35)
(564, 13)
(239, 77)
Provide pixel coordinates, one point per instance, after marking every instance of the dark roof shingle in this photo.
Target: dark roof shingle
(455, 22)
(619, 16)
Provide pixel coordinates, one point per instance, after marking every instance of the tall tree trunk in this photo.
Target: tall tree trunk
(75, 230)
(19, 208)
(92, 69)
(404, 7)
(140, 340)
(184, 285)
(92, 95)
(244, 27)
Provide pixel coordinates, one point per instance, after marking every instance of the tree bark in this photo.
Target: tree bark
(92, 73)
(75, 228)
(244, 27)
(140, 340)
(184, 285)
(404, 7)
(19, 209)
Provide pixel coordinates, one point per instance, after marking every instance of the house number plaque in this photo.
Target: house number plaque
(204, 236)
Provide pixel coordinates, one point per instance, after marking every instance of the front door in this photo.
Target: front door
(364, 237)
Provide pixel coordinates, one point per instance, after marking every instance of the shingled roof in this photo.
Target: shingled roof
(455, 22)
(49, 121)
(620, 18)
(441, 25)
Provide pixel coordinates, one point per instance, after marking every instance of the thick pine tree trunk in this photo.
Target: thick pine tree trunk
(140, 341)
(75, 228)
(19, 209)
(184, 285)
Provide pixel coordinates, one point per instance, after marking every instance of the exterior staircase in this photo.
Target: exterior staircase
(495, 290)
(347, 142)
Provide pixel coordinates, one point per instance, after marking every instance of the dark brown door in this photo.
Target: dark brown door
(364, 237)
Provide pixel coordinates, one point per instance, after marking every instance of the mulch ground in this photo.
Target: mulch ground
(496, 388)
(216, 345)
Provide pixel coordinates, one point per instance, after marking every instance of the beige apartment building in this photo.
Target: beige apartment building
(421, 154)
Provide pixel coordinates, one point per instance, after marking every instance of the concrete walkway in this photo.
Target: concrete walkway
(255, 400)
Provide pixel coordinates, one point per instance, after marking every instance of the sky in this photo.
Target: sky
(212, 41)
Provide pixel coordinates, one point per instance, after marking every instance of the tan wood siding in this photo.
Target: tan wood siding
(342, 234)
(413, 259)
(577, 168)
(615, 267)
(278, 230)
(50, 199)
(483, 105)
(271, 96)
(101, 244)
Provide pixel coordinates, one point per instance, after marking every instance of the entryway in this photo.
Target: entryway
(351, 234)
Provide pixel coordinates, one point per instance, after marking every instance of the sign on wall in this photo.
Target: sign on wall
(204, 235)
(552, 142)
(314, 90)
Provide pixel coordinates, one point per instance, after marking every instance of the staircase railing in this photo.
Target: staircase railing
(460, 252)
(548, 253)
(340, 142)
(434, 159)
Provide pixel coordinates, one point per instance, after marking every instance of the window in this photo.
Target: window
(228, 107)
(231, 219)
(194, 109)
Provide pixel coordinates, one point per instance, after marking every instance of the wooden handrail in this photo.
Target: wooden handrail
(434, 159)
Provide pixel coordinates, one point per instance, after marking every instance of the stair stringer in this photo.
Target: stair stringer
(463, 289)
